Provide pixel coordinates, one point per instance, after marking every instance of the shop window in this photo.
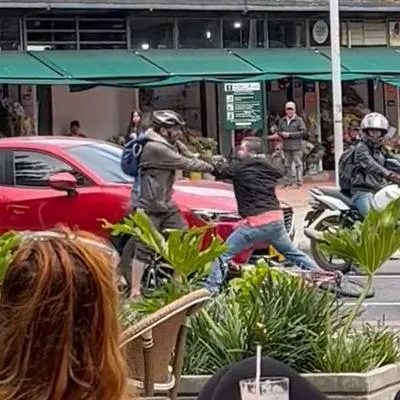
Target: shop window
(197, 34)
(51, 33)
(98, 33)
(238, 33)
(286, 33)
(9, 34)
(152, 33)
(368, 33)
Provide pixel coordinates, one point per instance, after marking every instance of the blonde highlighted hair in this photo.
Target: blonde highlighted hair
(59, 329)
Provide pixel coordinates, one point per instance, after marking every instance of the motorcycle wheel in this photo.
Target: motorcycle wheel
(322, 259)
(349, 287)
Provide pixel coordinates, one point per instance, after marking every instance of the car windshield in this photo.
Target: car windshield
(103, 159)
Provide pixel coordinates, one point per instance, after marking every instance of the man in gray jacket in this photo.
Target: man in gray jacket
(292, 130)
(162, 155)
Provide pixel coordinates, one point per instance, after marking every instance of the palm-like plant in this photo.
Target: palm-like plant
(369, 244)
(183, 250)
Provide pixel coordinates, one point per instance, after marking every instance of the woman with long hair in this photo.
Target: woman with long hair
(59, 329)
(134, 127)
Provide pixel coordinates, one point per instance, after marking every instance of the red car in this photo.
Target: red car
(78, 181)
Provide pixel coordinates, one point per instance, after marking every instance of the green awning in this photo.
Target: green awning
(391, 80)
(346, 76)
(286, 61)
(200, 62)
(96, 64)
(16, 65)
(369, 60)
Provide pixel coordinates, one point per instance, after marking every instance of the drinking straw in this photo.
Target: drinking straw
(258, 373)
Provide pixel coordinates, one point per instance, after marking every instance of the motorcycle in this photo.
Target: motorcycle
(332, 210)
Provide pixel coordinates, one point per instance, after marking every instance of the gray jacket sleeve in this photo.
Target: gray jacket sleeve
(184, 150)
(298, 134)
(166, 158)
(363, 157)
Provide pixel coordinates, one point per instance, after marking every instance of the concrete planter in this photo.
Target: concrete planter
(380, 384)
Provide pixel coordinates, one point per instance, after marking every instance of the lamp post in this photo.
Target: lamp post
(336, 83)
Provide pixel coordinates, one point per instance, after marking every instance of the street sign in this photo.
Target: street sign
(243, 106)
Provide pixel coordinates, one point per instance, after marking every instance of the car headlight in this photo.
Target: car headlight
(216, 215)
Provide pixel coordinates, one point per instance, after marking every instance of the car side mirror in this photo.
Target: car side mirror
(63, 181)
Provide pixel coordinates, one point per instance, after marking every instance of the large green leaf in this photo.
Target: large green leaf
(8, 243)
(370, 243)
(183, 250)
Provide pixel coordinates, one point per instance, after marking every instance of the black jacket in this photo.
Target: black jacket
(371, 171)
(254, 181)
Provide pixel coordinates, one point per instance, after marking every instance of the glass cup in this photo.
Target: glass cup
(273, 388)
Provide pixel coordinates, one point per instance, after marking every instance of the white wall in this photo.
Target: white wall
(102, 112)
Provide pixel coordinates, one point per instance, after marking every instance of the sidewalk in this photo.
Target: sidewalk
(299, 197)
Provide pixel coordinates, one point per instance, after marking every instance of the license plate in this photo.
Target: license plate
(272, 252)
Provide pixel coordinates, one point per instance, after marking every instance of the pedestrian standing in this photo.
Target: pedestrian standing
(292, 130)
(134, 128)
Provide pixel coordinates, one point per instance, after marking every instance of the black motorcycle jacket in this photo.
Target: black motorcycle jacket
(254, 182)
(370, 172)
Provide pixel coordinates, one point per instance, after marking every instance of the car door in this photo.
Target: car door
(29, 203)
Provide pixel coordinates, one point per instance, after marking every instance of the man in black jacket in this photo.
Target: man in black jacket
(370, 171)
(254, 181)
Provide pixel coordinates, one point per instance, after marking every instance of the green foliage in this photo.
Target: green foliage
(8, 243)
(279, 311)
(361, 352)
(182, 250)
(369, 244)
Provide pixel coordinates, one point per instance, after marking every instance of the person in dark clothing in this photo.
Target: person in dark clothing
(134, 128)
(161, 157)
(292, 129)
(254, 181)
(75, 129)
(370, 164)
(224, 385)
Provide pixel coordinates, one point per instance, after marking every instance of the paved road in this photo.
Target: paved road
(385, 306)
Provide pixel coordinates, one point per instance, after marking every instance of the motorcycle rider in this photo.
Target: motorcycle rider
(370, 170)
(254, 181)
(162, 155)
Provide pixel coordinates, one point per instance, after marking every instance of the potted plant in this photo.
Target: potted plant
(339, 359)
(188, 252)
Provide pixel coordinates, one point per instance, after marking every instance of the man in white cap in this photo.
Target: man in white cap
(292, 130)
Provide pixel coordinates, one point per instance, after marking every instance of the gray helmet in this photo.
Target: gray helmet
(167, 119)
(374, 121)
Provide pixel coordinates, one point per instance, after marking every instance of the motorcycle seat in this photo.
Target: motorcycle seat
(334, 192)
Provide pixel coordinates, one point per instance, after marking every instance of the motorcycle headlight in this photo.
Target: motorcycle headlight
(215, 215)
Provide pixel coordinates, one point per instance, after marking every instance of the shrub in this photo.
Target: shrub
(289, 319)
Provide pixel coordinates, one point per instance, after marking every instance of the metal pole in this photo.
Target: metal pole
(336, 83)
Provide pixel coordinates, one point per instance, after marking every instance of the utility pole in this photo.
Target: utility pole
(336, 83)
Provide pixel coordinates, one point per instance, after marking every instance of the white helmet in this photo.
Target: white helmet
(385, 196)
(167, 119)
(374, 121)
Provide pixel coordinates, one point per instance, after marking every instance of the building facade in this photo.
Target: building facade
(186, 24)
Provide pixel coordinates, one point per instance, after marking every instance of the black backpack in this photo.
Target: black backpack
(346, 169)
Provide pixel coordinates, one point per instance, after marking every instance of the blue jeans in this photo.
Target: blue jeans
(244, 237)
(362, 201)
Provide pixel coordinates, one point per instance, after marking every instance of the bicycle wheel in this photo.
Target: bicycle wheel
(349, 287)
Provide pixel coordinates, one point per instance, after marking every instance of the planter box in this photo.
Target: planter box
(379, 384)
